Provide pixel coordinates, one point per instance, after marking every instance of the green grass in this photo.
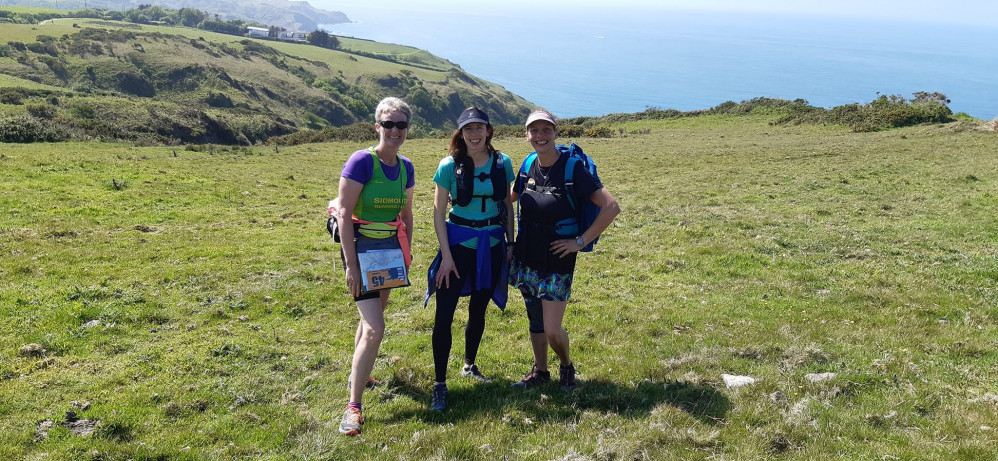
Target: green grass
(742, 248)
(352, 67)
(9, 81)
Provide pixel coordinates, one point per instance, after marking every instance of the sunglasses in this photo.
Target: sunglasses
(388, 124)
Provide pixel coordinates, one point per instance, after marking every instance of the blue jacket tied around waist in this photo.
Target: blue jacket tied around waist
(459, 234)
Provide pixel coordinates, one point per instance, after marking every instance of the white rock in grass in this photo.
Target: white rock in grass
(92, 324)
(733, 381)
(32, 350)
(42, 431)
(819, 377)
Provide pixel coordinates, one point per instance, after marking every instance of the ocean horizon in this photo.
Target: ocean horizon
(596, 62)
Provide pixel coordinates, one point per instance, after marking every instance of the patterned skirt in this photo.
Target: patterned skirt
(549, 286)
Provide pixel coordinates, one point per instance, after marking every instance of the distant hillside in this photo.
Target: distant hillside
(94, 79)
(291, 15)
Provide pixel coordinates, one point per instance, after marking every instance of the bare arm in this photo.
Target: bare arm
(349, 195)
(609, 209)
(406, 215)
(441, 197)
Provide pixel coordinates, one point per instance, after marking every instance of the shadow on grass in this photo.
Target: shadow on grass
(548, 402)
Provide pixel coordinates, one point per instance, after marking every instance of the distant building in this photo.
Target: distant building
(293, 36)
(257, 31)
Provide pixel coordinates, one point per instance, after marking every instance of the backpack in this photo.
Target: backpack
(586, 213)
(464, 178)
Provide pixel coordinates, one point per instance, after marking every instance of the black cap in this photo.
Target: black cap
(472, 115)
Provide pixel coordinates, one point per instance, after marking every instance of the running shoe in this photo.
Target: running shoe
(567, 377)
(352, 420)
(471, 371)
(534, 378)
(439, 397)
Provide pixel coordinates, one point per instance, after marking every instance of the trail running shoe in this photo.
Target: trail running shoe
(439, 397)
(472, 372)
(567, 377)
(370, 384)
(352, 420)
(534, 378)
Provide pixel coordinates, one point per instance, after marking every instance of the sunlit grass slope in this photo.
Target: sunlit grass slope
(194, 300)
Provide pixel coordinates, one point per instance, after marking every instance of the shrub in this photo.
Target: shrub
(358, 132)
(507, 131)
(25, 129)
(218, 100)
(136, 84)
(884, 112)
(56, 66)
(41, 111)
(12, 96)
(83, 111)
(599, 132)
(43, 48)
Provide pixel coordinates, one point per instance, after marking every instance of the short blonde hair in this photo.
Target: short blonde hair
(392, 104)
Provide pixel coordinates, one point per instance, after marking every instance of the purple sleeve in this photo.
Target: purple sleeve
(359, 167)
(410, 172)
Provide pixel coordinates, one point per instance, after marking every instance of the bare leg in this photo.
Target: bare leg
(372, 331)
(557, 337)
(539, 343)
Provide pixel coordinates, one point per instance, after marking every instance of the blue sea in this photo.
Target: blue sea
(595, 61)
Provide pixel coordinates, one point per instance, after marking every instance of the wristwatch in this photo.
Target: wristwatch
(580, 241)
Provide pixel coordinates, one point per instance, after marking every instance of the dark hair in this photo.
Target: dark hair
(459, 149)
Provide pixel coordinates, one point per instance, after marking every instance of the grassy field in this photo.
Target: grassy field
(193, 305)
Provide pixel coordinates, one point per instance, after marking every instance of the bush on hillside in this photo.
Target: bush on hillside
(506, 131)
(757, 106)
(357, 132)
(882, 113)
(135, 84)
(13, 96)
(215, 99)
(571, 131)
(41, 111)
(25, 129)
(601, 131)
(47, 48)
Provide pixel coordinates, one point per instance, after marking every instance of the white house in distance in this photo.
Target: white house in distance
(282, 35)
(294, 36)
(257, 31)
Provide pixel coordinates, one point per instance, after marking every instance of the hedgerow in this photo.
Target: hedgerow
(26, 129)
(882, 113)
(359, 132)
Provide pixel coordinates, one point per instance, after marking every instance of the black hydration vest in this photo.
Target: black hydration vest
(464, 171)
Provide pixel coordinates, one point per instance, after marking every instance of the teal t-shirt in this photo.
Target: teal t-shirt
(445, 178)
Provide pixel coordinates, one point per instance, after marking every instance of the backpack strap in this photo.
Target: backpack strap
(524, 169)
(570, 181)
(464, 170)
(575, 156)
(522, 175)
(464, 176)
(498, 177)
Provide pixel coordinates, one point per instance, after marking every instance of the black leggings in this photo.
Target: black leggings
(465, 259)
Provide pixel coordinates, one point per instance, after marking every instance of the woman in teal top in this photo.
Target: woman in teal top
(376, 186)
(475, 179)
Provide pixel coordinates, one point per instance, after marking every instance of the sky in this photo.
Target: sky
(980, 12)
